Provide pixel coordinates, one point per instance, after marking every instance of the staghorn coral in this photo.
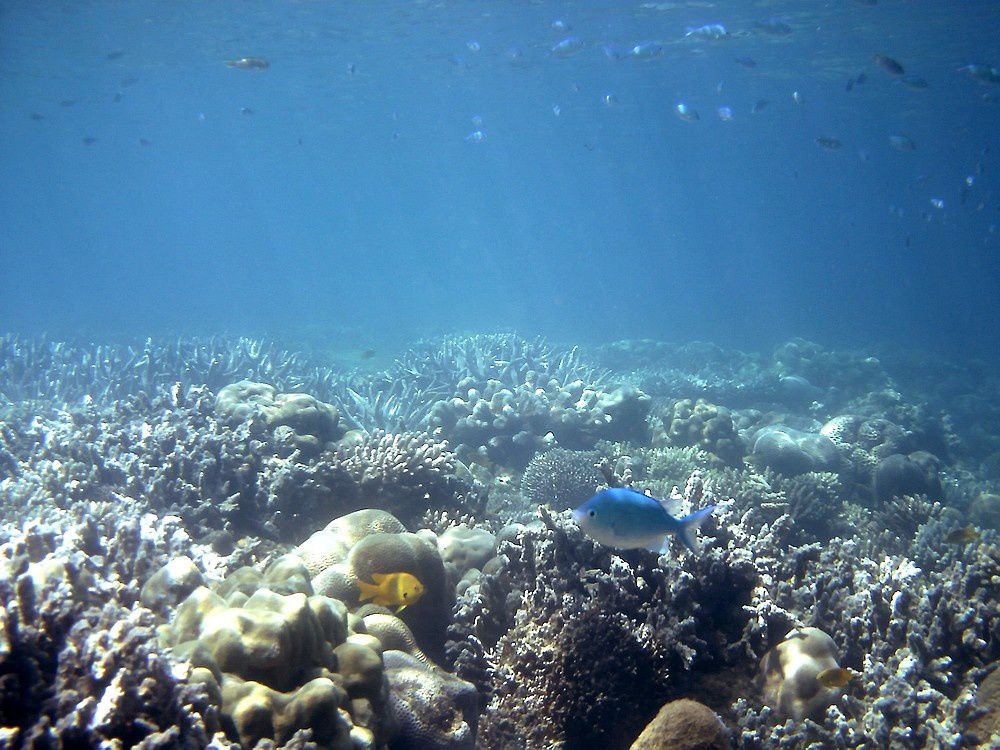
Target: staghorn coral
(561, 478)
(64, 373)
(176, 454)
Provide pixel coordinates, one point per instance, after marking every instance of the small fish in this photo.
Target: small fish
(914, 83)
(714, 31)
(116, 55)
(392, 590)
(560, 25)
(830, 144)
(836, 677)
(646, 50)
(36, 116)
(117, 97)
(686, 113)
(626, 519)
(571, 45)
(856, 81)
(476, 136)
(797, 97)
(246, 111)
(773, 26)
(366, 354)
(888, 65)
(902, 143)
(747, 62)
(759, 106)
(145, 142)
(128, 81)
(351, 69)
(249, 63)
(982, 73)
(725, 113)
(556, 110)
(965, 535)
(938, 203)
(613, 53)
(610, 100)
(473, 46)
(89, 140)
(67, 102)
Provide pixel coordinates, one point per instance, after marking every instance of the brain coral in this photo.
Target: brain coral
(561, 478)
(699, 424)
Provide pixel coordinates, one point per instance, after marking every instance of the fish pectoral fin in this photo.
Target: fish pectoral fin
(662, 546)
(400, 608)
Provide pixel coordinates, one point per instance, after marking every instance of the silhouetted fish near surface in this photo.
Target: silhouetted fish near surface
(914, 83)
(830, 144)
(982, 73)
(714, 31)
(646, 50)
(888, 64)
(773, 26)
(366, 354)
(759, 106)
(747, 62)
(571, 45)
(116, 55)
(128, 81)
(902, 143)
(144, 142)
(249, 63)
(89, 140)
(67, 102)
(686, 113)
(856, 81)
(36, 117)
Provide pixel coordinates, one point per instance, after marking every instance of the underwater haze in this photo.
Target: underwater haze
(408, 168)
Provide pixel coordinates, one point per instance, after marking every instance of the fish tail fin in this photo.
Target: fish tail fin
(689, 525)
(368, 591)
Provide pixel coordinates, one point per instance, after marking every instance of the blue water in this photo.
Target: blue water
(354, 199)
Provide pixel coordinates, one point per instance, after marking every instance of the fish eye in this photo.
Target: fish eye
(592, 513)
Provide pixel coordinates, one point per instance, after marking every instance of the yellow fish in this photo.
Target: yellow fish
(964, 535)
(835, 677)
(392, 590)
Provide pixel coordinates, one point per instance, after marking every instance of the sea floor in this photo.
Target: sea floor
(225, 542)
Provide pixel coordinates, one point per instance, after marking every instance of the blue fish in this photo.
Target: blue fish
(626, 519)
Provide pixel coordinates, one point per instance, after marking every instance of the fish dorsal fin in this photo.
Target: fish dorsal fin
(379, 577)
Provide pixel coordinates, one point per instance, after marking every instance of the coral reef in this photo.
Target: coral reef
(160, 586)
